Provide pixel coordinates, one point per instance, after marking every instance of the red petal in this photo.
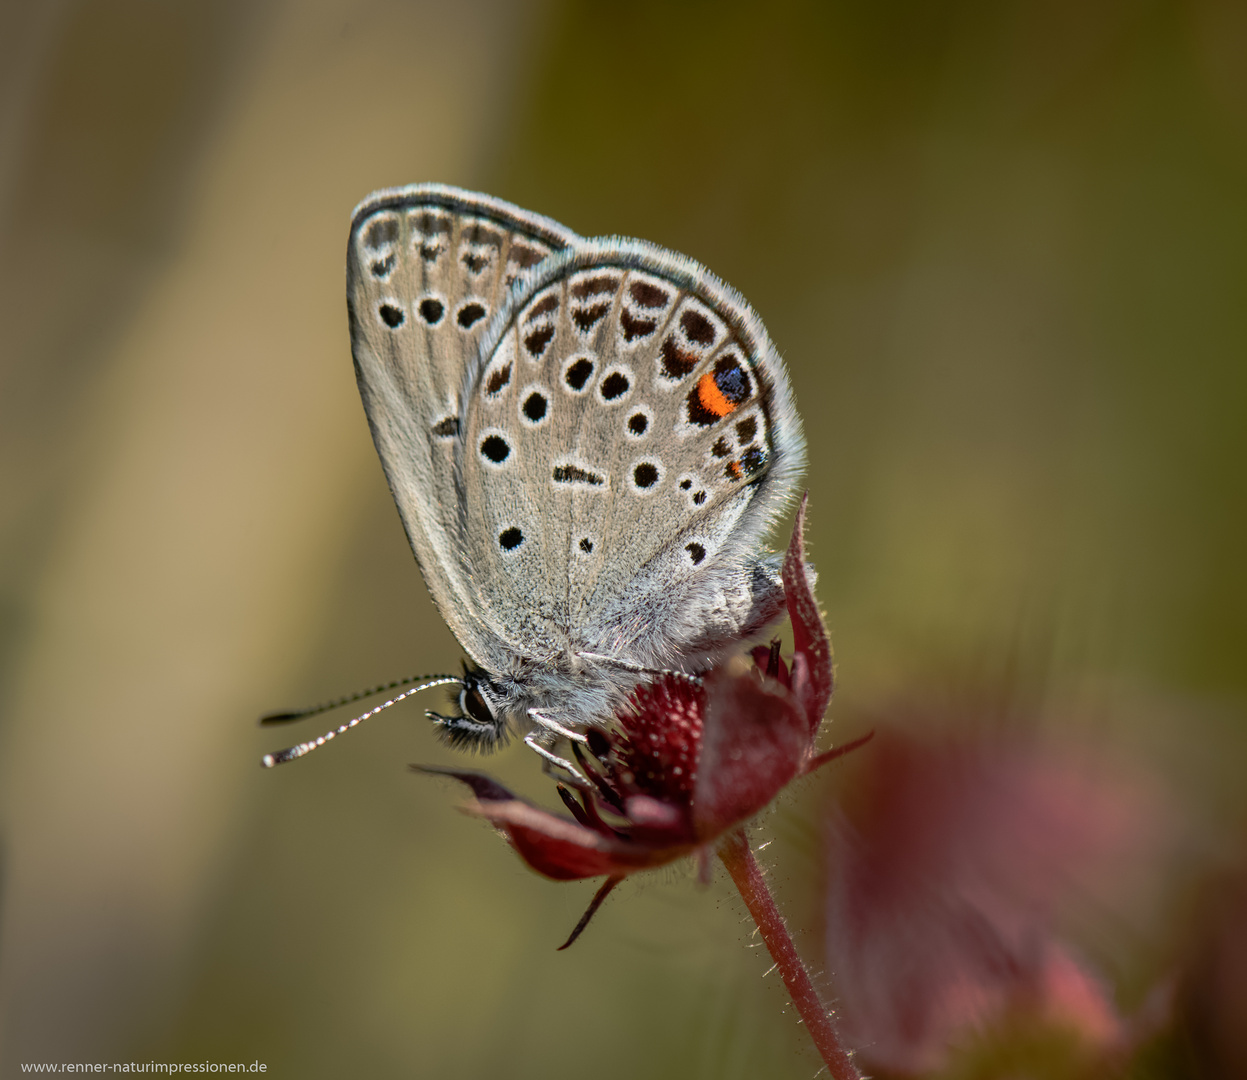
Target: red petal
(756, 740)
(813, 685)
(484, 787)
(551, 844)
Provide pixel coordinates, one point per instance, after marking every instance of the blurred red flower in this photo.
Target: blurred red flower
(946, 880)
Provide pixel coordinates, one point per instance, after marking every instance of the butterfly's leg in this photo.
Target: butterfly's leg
(557, 728)
(550, 759)
(628, 665)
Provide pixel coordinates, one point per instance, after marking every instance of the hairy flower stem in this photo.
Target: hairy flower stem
(738, 858)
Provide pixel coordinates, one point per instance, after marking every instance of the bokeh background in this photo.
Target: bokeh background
(1003, 248)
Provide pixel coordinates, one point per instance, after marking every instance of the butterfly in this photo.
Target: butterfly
(587, 440)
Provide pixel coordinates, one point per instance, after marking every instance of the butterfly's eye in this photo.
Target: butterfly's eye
(473, 704)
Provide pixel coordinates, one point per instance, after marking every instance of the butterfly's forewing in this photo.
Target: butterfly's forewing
(427, 268)
(629, 438)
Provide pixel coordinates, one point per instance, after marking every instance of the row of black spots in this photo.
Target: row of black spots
(696, 552)
(645, 475)
(510, 538)
(719, 392)
(612, 388)
(430, 233)
(447, 427)
(697, 497)
(585, 545)
(644, 303)
(591, 296)
(690, 341)
(537, 323)
(382, 268)
(573, 474)
(431, 311)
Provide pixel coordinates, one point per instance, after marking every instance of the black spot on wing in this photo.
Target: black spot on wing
(578, 372)
(615, 385)
(470, 314)
(634, 327)
(589, 316)
(495, 448)
(648, 295)
(537, 341)
(698, 328)
(594, 286)
(380, 231)
(574, 474)
(535, 406)
(645, 475)
(497, 380)
(676, 362)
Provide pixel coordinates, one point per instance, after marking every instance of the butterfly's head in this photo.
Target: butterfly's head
(480, 723)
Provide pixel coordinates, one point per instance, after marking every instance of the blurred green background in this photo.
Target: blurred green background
(1003, 249)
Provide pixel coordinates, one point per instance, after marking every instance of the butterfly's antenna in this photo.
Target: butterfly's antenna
(292, 752)
(315, 710)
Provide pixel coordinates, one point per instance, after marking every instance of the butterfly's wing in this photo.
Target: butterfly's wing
(427, 268)
(629, 438)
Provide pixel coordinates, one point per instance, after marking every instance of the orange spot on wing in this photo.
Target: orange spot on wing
(733, 470)
(711, 397)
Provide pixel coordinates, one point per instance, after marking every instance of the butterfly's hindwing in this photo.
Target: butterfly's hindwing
(649, 441)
